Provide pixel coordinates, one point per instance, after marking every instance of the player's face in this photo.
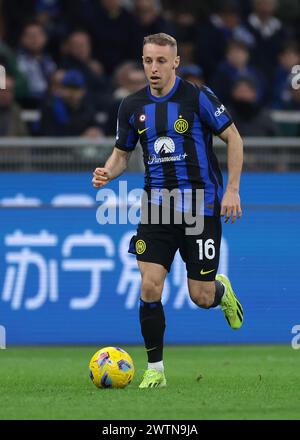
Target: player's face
(160, 63)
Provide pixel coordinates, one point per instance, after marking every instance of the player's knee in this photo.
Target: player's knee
(202, 297)
(151, 289)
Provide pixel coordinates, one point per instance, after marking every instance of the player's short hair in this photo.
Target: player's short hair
(160, 39)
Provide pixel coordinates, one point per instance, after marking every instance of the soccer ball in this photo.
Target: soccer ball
(111, 367)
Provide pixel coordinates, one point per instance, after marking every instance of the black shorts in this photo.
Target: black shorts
(201, 253)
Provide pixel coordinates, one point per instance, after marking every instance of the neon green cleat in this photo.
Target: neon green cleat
(230, 305)
(153, 379)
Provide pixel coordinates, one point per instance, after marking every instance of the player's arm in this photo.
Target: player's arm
(115, 165)
(215, 115)
(231, 204)
(126, 140)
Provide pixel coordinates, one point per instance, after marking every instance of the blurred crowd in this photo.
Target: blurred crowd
(74, 61)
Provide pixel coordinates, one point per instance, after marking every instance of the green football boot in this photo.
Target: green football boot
(153, 379)
(230, 305)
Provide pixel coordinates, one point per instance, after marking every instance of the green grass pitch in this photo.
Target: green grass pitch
(204, 382)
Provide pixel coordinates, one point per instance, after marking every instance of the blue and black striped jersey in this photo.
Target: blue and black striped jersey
(176, 132)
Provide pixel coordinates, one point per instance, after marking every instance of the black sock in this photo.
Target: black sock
(220, 289)
(152, 319)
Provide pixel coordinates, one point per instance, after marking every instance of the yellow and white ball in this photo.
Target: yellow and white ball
(111, 367)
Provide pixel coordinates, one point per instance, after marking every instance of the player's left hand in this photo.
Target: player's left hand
(231, 206)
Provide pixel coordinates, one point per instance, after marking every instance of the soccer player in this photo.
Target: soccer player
(175, 121)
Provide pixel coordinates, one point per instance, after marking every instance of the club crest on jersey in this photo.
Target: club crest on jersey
(142, 118)
(164, 144)
(140, 247)
(181, 125)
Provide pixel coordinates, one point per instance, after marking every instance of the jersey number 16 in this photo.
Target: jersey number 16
(207, 249)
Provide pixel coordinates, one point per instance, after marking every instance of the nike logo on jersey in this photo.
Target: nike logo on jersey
(205, 272)
(142, 131)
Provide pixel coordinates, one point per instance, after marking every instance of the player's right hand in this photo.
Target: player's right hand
(101, 177)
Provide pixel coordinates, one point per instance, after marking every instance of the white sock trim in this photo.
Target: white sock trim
(159, 366)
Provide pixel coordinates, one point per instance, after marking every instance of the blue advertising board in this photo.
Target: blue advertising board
(65, 279)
